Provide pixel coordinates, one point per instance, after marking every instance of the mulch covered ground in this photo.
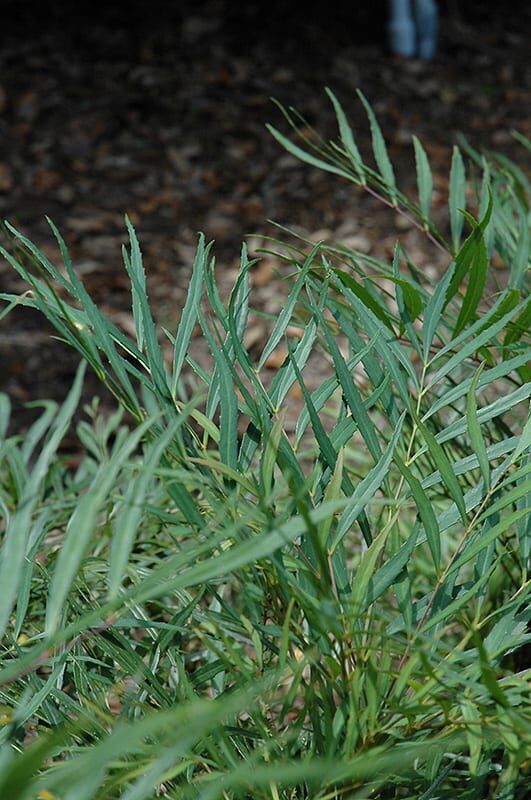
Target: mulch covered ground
(159, 110)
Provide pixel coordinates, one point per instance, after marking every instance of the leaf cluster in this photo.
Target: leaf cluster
(214, 603)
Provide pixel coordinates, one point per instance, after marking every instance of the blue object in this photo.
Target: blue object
(413, 28)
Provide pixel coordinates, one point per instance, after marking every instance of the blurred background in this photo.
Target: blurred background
(159, 109)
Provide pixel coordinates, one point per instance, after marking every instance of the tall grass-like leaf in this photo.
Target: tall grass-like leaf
(285, 377)
(135, 269)
(380, 150)
(326, 448)
(491, 535)
(365, 572)
(269, 456)
(238, 312)
(524, 442)
(520, 326)
(302, 155)
(367, 488)
(472, 347)
(488, 412)
(425, 509)
(347, 138)
(520, 262)
(39, 256)
(19, 526)
(332, 492)
(456, 197)
(5, 411)
(473, 258)
(70, 323)
(392, 569)
(285, 315)
(182, 726)
(468, 463)
(100, 325)
(487, 377)
(474, 430)
(424, 178)
(322, 394)
(433, 310)
(83, 522)
(228, 426)
(377, 308)
(385, 347)
(38, 532)
(444, 466)
(351, 393)
(37, 430)
(189, 314)
(468, 252)
(486, 198)
(126, 521)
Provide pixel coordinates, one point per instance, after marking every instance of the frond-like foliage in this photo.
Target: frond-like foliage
(216, 603)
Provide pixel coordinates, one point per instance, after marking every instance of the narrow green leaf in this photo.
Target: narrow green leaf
(392, 355)
(125, 522)
(449, 611)
(365, 572)
(474, 429)
(518, 492)
(476, 285)
(378, 309)
(19, 526)
(456, 198)
(380, 150)
(391, 570)
(464, 257)
(424, 178)
(285, 315)
(155, 360)
(350, 390)
(328, 387)
(524, 442)
(332, 492)
(347, 138)
(495, 409)
(302, 155)
(5, 411)
(491, 535)
(425, 509)
(326, 448)
(432, 313)
(464, 465)
(520, 327)
(520, 262)
(189, 314)
(100, 326)
(269, 457)
(471, 347)
(82, 524)
(367, 488)
(228, 424)
(501, 370)
(41, 258)
(444, 466)
(285, 377)
(38, 532)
